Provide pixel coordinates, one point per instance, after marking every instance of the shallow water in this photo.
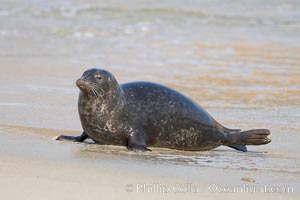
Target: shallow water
(239, 60)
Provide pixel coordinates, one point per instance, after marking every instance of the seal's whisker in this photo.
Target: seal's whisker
(99, 94)
(93, 91)
(96, 92)
(99, 91)
(98, 88)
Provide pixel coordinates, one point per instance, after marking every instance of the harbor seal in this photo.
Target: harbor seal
(139, 115)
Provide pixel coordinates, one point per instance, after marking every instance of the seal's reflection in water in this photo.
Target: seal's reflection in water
(219, 158)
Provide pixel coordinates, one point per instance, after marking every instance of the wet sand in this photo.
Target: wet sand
(240, 62)
(39, 104)
(34, 166)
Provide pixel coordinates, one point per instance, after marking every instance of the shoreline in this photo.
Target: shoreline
(40, 167)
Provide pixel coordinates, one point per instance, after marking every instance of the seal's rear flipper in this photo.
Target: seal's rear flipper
(239, 147)
(250, 137)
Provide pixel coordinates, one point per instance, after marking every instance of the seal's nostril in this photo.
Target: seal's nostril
(80, 83)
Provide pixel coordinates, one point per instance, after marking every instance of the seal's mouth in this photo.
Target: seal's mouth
(90, 88)
(81, 84)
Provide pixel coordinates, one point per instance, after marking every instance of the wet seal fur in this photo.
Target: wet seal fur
(142, 114)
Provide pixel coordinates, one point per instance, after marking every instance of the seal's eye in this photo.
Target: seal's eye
(98, 76)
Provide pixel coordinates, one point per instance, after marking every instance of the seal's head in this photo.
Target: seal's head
(97, 83)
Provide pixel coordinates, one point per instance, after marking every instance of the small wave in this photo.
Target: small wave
(12, 104)
(83, 35)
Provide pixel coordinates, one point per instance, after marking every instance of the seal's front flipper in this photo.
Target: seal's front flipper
(136, 141)
(135, 147)
(80, 138)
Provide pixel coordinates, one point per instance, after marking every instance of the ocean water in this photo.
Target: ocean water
(238, 59)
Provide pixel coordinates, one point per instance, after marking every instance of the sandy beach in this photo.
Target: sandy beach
(240, 62)
(34, 166)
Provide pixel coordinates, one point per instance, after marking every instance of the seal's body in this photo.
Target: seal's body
(142, 114)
